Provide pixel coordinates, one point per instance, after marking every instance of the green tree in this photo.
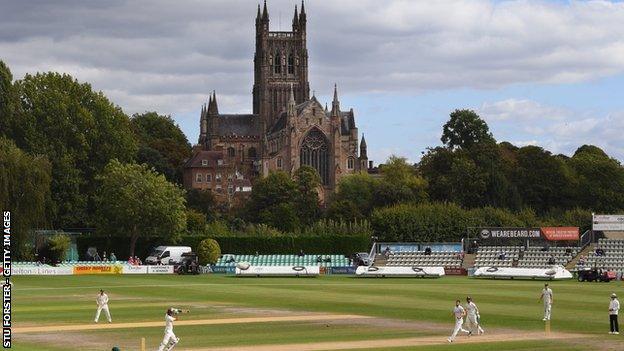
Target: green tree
(158, 133)
(465, 129)
(79, 130)
(399, 183)
(600, 179)
(208, 251)
(273, 202)
(307, 201)
(25, 191)
(354, 198)
(8, 101)
(135, 201)
(195, 222)
(202, 201)
(545, 182)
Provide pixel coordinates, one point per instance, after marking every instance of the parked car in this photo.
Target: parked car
(362, 259)
(167, 254)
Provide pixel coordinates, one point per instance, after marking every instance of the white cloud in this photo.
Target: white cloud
(520, 110)
(189, 48)
(555, 128)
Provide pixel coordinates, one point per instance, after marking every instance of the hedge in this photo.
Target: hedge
(284, 244)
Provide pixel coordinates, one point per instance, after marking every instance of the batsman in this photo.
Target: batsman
(170, 340)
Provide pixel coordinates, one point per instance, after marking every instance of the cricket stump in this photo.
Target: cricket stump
(547, 327)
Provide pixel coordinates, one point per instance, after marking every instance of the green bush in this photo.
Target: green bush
(208, 251)
(58, 245)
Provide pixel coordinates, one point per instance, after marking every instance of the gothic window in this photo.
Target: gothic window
(350, 163)
(198, 178)
(231, 152)
(277, 63)
(291, 64)
(251, 152)
(279, 163)
(314, 152)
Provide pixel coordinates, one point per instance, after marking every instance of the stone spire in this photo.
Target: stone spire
(335, 102)
(363, 148)
(265, 12)
(295, 21)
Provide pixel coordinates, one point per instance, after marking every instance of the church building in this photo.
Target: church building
(286, 129)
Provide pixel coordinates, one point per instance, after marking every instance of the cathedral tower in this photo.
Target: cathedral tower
(281, 60)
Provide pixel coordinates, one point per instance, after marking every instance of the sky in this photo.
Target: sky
(547, 73)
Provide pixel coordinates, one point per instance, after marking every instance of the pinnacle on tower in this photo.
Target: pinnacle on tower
(363, 153)
(265, 12)
(335, 102)
(302, 17)
(258, 16)
(212, 104)
(291, 102)
(295, 22)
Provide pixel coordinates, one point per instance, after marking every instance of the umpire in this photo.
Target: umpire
(614, 307)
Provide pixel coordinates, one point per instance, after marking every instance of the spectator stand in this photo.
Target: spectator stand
(448, 256)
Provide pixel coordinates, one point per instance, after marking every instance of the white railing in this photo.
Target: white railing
(371, 255)
(585, 239)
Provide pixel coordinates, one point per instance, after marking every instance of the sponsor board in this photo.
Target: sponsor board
(509, 233)
(342, 270)
(455, 271)
(160, 269)
(608, 222)
(223, 269)
(98, 269)
(41, 270)
(560, 233)
(128, 269)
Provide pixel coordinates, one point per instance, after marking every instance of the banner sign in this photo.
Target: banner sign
(160, 269)
(40, 270)
(223, 269)
(608, 222)
(509, 233)
(129, 269)
(98, 269)
(560, 233)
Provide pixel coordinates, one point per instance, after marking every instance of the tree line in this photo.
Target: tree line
(71, 158)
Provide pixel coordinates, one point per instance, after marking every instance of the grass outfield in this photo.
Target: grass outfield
(398, 309)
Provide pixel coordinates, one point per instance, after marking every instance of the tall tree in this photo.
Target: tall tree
(465, 129)
(8, 100)
(25, 191)
(163, 145)
(273, 203)
(79, 130)
(601, 179)
(307, 201)
(135, 201)
(544, 181)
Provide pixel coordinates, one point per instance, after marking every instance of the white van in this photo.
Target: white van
(167, 254)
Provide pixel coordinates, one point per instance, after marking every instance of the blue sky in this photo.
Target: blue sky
(549, 73)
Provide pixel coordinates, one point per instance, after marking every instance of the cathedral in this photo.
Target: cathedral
(286, 129)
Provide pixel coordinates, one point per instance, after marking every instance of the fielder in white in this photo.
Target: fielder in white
(547, 298)
(102, 304)
(169, 340)
(459, 313)
(473, 317)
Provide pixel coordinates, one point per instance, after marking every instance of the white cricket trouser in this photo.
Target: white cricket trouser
(472, 324)
(458, 327)
(105, 309)
(168, 340)
(547, 309)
